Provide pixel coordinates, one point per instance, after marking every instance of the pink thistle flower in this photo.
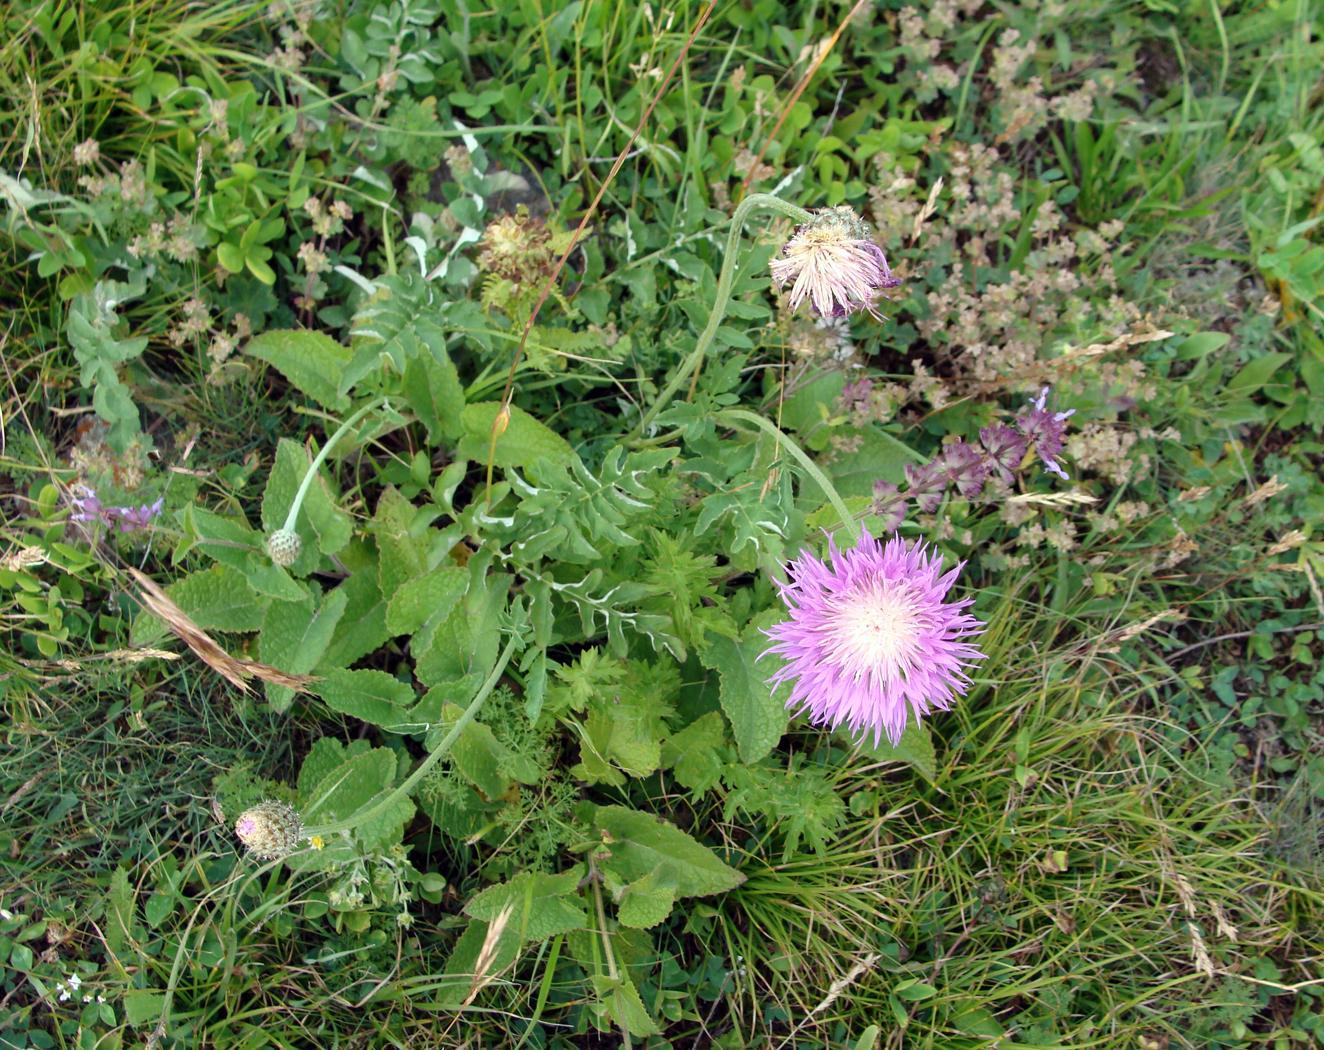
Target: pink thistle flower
(833, 262)
(871, 638)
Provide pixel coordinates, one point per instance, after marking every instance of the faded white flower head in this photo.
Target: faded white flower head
(832, 261)
(270, 830)
(283, 546)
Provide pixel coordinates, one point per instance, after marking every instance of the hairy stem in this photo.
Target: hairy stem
(437, 753)
(740, 415)
(325, 451)
(691, 363)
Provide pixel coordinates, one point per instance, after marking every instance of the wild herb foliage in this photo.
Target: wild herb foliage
(281, 267)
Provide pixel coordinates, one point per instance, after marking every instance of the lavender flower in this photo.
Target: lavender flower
(965, 468)
(833, 262)
(1005, 449)
(871, 638)
(925, 484)
(87, 507)
(1046, 430)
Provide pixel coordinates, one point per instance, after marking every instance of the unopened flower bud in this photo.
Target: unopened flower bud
(284, 546)
(270, 830)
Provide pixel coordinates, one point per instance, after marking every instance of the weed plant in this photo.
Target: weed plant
(402, 439)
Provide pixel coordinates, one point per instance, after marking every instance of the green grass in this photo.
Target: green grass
(1118, 842)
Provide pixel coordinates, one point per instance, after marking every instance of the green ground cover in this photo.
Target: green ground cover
(450, 296)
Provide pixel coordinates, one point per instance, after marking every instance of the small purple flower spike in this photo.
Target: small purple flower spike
(87, 507)
(1046, 430)
(872, 640)
(1005, 449)
(965, 468)
(925, 484)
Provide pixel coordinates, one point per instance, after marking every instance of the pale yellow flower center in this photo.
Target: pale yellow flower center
(875, 629)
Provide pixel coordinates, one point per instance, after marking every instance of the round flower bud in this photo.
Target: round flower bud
(284, 546)
(270, 830)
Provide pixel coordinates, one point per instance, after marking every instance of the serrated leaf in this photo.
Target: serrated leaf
(346, 789)
(370, 696)
(915, 748)
(541, 905)
(476, 754)
(460, 973)
(756, 711)
(640, 844)
(626, 1009)
(401, 320)
(624, 737)
(218, 599)
(294, 636)
(647, 901)
(142, 1005)
(228, 540)
(400, 555)
(693, 756)
(424, 598)
(464, 646)
(321, 524)
(119, 919)
(362, 628)
(432, 389)
(325, 755)
(271, 581)
(524, 442)
(312, 362)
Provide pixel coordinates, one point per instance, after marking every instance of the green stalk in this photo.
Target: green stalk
(811, 468)
(307, 482)
(443, 747)
(723, 298)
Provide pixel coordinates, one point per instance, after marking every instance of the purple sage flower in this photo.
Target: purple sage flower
(965, 468)
(1005, 449)
(1046, 430)
(855, 394)
(888, 504)
(87, 507)
(925, 484)
(132, 518)
(872, 640)
(832, 261)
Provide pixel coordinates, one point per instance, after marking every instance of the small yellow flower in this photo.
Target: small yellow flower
(317, 842)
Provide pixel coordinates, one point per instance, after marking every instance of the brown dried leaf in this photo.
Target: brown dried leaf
(235, 670)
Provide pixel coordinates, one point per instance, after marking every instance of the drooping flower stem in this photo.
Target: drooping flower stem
(320, 458)
(740, 415)
(284, 545)
(406, 787)
(689, 367)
